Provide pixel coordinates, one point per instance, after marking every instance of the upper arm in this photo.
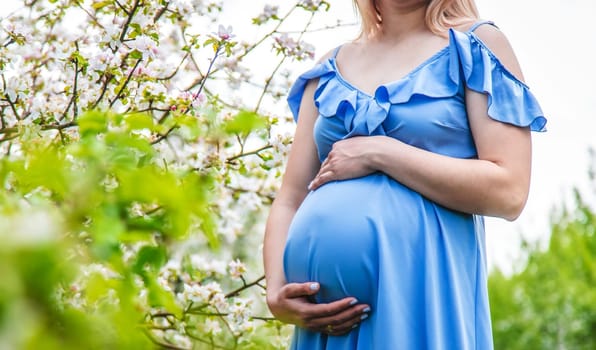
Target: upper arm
(303, 162)
(506, 145)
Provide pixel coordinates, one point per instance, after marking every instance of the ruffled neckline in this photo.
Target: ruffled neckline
(465, 62)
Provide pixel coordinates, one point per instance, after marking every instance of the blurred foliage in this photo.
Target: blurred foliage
(105, 201)
(551, 302)
(139, 151)
(80, 202)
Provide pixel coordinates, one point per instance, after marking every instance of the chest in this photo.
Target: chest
(368, 67)
(439, 125)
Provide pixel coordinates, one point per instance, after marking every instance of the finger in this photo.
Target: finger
(321, 179)
(322, 170)
(295, 290)
(330, 309)
(341, 323)
(346, 326)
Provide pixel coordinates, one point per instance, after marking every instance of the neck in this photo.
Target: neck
(400, 20)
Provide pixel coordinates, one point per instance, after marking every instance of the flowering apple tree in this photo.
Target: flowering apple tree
(141, 142)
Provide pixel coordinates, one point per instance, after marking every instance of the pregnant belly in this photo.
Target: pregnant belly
(336, 235)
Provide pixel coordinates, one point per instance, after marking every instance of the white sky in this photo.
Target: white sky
(555, 44)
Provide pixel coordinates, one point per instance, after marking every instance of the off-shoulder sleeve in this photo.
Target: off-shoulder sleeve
(322, 71)
(509, 100)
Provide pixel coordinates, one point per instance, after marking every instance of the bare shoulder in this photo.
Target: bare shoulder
(497, 42)
(347, 48)
(327, 55)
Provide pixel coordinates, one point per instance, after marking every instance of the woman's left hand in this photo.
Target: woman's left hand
(348, 159)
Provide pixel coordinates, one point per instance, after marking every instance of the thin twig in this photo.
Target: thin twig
(104, 88)
(160, 12)
(245, 286)
(211, 343)
(164, 136)
(168, 77)
(215, 56)
(156, 341)
(272, 32)
(126, 82)
(13, 107)
(43, 127)
(320, 29)
(268, 82)
(122, 7)
(93, 18)
(263, 318)
(128, 19)
(255, 45)
(73, 99)
(244, 154)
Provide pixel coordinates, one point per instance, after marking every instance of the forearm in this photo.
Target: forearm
(468, 185)
(279, 220)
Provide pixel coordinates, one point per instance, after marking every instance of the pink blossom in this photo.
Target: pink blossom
(225, 33)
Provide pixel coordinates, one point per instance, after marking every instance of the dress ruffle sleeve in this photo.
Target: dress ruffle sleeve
(509, 100)
(323, 71)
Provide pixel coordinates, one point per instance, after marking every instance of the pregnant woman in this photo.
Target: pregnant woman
(405, 138)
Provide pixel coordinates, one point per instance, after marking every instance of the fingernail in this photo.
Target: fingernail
(354, 302)
(314, 286)
(310, 185)
(355, 325)
(366, 309)
(364, 317)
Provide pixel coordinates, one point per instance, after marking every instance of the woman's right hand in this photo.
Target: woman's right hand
(291, 304)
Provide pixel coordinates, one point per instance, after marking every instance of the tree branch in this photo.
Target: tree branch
(43, 127)
(73, 99)
(160, 12)
(164, 136)
(244, 154)
(268, 82)
(104, 88)
(122, 7)
(244, 287)
(126, 82)
(128, 19)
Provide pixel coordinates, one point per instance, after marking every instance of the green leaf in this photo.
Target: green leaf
(139, 121)
(106, 230)
(136, 54)
(93, 123)
(244, 122)
(101, 4)
(157, 297)
(152, 257)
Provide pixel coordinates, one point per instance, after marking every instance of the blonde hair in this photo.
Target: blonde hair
(440, 15)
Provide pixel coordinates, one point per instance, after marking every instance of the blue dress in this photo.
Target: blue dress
(421, 266)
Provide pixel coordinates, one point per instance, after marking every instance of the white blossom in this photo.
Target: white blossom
(145, 45)
(181, 6)
(178, 339)
(237, 268)
(268, 13)
(212, 326)
(211, 266)
(310, 4)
